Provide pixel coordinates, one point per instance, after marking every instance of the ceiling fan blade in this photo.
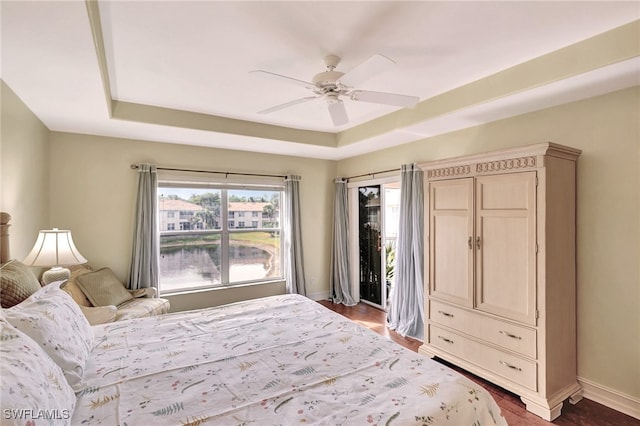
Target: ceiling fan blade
(287, 104)
(338, 113)
(367, 69)
(284, 78)
(384, 98)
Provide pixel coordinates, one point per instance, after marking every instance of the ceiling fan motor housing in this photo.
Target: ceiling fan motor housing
(327, 79)
(332, 97)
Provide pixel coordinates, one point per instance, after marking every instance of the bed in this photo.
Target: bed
(280, 360)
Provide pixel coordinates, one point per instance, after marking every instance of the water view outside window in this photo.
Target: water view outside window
(200, 247)
(254, 255)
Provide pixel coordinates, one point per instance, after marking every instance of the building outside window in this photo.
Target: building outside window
(197, 249)
(169, 220)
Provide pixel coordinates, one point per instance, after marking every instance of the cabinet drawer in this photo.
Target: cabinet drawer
(509, 336)
(511, 367)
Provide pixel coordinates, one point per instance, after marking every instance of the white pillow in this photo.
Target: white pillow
(55, 322)
(33, 386)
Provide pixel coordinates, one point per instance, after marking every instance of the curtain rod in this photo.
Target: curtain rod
(372, 174)
(135, 167)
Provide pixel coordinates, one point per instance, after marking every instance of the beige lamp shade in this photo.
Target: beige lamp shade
(54, 248)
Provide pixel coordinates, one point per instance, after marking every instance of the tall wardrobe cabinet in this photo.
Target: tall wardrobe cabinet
(501, 266)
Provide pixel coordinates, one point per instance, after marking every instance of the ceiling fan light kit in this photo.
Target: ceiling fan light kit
(330, 85)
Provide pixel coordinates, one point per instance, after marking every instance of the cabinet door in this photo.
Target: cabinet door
(451, 234)
(506, 245)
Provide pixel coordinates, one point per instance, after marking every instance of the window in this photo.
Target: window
(209, 250)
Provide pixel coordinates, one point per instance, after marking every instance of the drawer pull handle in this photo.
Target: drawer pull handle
(513, 336)
(513, 367)
(470, 242)
(446, 314)
(445, 339)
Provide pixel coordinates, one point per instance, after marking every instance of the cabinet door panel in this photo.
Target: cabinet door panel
(504, 193)
(451, 229)
(505, 245)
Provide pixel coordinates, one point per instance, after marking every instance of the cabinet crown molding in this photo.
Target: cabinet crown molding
(528, 156)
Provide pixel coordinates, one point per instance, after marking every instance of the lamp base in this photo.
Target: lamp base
(57, 273)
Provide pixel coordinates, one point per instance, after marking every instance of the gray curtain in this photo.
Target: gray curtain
(406, 312)
(293, 268)
(146, 241)
(340, 279)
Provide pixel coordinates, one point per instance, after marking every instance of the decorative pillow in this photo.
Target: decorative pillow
(71, 286)
(33, 386)
(18, 283)
(55, 322)
(103, 288)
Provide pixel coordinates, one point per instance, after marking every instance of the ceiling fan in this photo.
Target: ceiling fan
(332, 85)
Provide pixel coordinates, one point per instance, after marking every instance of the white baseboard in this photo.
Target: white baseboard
(611, 398)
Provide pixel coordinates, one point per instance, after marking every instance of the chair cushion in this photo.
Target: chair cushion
(17, 283)
(144, 292)
(99, 314)
(103, 288)
(143, 307)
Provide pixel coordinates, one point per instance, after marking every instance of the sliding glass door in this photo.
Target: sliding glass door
(370, 244)
(375, 205)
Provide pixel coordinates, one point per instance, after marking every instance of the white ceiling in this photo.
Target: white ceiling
(196, 57)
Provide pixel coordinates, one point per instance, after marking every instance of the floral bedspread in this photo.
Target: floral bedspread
(281, 360)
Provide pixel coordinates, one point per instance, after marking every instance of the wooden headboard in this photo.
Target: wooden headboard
(5, 254)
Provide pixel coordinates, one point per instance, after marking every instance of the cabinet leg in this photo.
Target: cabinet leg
(576, 397)
(548, 414)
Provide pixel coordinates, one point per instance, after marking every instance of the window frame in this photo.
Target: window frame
(224, 229)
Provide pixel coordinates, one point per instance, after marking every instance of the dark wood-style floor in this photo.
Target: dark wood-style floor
(585, 412)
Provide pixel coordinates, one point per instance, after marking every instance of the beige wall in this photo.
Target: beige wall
(24, 172)
(607, 130)
(94, 189)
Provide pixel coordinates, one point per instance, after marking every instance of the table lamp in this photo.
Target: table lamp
(54, 248)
